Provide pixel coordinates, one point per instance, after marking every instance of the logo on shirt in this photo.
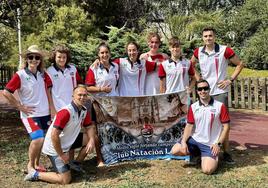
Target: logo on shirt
(72, 73)
(56, 76)
(213, 110)
(28, 78)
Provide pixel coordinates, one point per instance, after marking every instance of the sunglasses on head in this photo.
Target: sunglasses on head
(206, 88)
(36, 57)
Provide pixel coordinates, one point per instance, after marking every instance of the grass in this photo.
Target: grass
(250, 171)
(245, 73)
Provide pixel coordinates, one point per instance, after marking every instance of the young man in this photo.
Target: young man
(62, 135)
(207, 128)
(213, 60)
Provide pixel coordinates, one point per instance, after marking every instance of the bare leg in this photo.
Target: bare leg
(34, 153)
(53, 177)
(177, 150)
(100, 162)
(209, 165)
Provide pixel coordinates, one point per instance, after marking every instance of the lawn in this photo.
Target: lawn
(245, 73)
(251, 169)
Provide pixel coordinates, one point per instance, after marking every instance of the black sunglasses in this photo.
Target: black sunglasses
(36, 57)
(206, 88)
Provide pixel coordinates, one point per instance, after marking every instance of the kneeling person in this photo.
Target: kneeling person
(62, 135)
(209, 121)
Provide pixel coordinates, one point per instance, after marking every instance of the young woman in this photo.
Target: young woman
(62, 79)
(33, 102)
(102, 79)
(152, 80)
(133, 72)
(177, 73)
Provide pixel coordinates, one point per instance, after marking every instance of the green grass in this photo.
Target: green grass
(245, 73)
(250, 171)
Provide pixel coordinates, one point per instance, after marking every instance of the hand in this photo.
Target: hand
(26, 109)
(65, 158)
(188, 90)
(106, 89)
(223, 84)
(90, 146)
(215, 149)
(96, 63)
(184, 148)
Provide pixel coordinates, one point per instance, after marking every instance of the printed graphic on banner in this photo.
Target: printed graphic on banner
(140, 127)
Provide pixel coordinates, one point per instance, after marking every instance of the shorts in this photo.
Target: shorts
(37, 126)
(78, 143)
(223, 97)
(58, 164)
(196, 149)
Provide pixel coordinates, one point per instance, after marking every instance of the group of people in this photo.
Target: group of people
(56, 94)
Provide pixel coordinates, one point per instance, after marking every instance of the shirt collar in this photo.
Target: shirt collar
(58, 69)
(211, 102)
(102, 66)
(76, 108)
(216, 48)
(172, 61)
(29, 72)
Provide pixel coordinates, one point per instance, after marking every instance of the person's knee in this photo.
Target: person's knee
(208, 171)
(66, 178)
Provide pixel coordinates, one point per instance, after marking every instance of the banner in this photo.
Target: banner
(139, 127)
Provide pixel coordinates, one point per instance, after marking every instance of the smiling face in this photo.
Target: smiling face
(175, 51)
(33, 61)
(61, 59)
(104, 54)
(80, 96)
(208, 38)
(203, 91)
(154, 44)
(132, 52)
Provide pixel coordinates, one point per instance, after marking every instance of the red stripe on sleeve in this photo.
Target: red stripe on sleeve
(117, 61)
(224, 115)
(229, 53)
(191, 70)
(87, 120)
(14, 83)
(190, 116)
(161, 71)
(150, 66)
(196, 53)
(47, 80)
(78, 78)
(90, 78)
(62, 118)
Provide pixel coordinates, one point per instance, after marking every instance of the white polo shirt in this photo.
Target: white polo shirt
(213, 66)
(69, 120)
(62, 83)
(132, 77)
(101, 77)
(176, 74)
(207, 121)
(152, 82)
(31, 90)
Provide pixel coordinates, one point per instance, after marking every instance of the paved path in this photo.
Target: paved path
(248, 130)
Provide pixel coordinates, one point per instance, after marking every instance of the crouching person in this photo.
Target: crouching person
(206, 129)
(62, 135)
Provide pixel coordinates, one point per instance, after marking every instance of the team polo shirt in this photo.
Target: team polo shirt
(62, 84)
(176, 74)
(152, 82)
(102, 77)
(132, 76)
(69, 120)
(31, 90)
(207, 121)
(213, 66)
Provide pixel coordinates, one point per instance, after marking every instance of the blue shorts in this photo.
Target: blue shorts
(37, 126)
(58, 164)
(196, 149)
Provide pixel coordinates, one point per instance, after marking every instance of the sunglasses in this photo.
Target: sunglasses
(36, 57)
(203, 88)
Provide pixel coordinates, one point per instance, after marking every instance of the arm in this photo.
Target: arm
(91, 133)
(215, 148)
(51, 103)
(192, 84)
(13, 101)
(194, 60)
(163, 85)
(57, 145)
(96, 89)
(186, 134)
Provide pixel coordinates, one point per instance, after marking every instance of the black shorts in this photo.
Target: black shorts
(78, 143)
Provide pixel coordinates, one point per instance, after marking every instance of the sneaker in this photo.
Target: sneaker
(32, 175)
(194, 160)
(76, 166)
(227, 158)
